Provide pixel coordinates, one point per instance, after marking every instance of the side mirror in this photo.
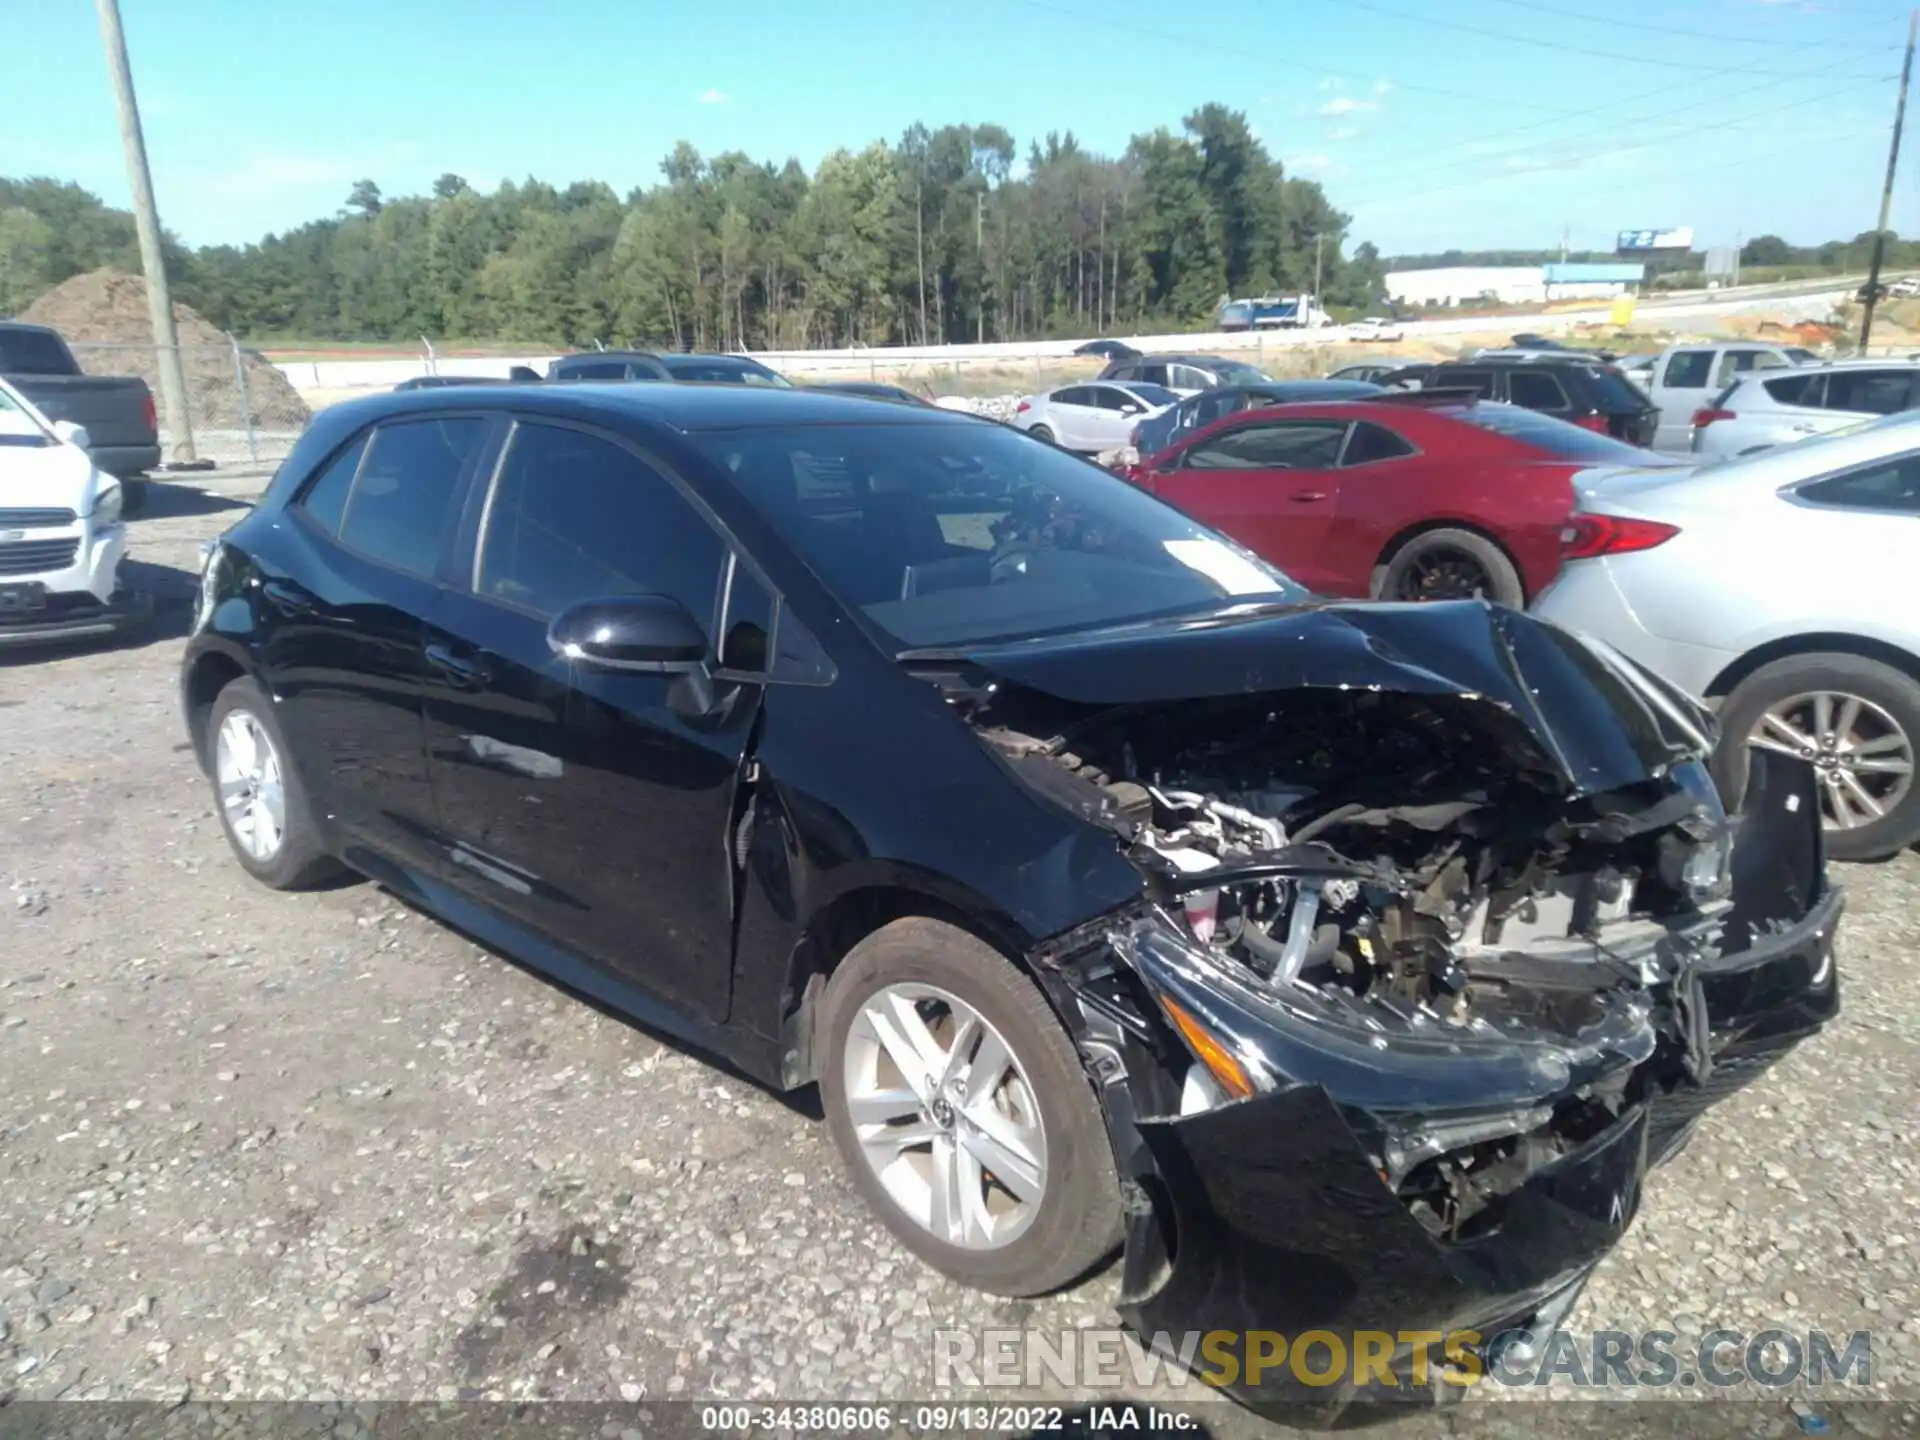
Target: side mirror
(71, 433)
(650, 633)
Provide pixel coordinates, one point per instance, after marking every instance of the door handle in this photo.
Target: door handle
(462, 672)
(288, 596)
(1304, 497)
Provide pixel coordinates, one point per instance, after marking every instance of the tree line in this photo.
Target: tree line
(932, 239)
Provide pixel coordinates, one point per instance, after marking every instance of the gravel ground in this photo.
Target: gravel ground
(256, 1146)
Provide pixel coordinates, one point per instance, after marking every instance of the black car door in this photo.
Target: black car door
(592, 805)
(342, 594)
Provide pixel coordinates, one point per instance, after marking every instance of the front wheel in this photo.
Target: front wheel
(961, 1111)
(263, 807)
(1857, 722)
(1451, 565)
(1041, 432)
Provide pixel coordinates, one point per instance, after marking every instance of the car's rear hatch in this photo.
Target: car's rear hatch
(1630, 415)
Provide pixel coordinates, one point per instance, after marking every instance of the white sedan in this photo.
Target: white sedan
(61, 536)
(1781, 586)
(1090, 418)
(1376, 327)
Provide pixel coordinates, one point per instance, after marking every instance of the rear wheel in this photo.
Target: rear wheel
(263, 807)
(1041, 432)
(133, 495)
(961, 1111)
(1857, 722)
(1451, 565)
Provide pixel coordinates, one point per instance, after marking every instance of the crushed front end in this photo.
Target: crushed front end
(1422, 981)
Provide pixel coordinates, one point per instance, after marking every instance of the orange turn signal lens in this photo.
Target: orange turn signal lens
(1219, 1061)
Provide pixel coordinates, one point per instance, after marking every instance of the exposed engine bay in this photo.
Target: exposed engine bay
(1401, 867)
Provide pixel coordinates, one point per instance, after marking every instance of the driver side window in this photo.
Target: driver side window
(1294, 445)
(575, 517)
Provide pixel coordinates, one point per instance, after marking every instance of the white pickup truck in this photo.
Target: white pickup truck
(1685, 378)
(61, 535)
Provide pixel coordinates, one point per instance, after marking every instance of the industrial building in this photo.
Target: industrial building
(1513, 284)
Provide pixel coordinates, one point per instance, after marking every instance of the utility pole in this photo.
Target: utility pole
(146, 220)
(980, 263)
(1886, 191)
(920, 258)
(1317, 241)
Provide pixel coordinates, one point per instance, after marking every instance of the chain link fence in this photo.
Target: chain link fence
(240, 409)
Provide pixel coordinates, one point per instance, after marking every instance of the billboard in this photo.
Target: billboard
(1638, 241)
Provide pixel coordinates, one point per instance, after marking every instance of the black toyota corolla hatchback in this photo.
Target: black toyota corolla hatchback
(1351, 963)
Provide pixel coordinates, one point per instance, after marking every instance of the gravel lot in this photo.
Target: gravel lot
(256, 1146)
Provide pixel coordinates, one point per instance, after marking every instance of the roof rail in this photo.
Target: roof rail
(1438, 395)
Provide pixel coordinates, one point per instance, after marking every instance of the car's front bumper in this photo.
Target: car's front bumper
(1254, 1223)
(79, 599)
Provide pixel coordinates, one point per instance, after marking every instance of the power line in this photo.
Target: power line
(1535, 7)
(1613, 107)
(1647, 144)
(1267, 62)
(1584, 51)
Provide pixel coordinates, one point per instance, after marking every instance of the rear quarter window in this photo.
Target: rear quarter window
(1796, 389)
(402, 500)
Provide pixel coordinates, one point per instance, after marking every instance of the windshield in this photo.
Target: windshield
(954, 535)
(1152, 394)
(1556, 437)
(1238, 372)
(724, 372)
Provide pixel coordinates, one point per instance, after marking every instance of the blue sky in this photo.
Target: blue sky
(1436, 123)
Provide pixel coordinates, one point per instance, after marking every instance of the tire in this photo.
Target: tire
(1888, 705)
(299, 860)
(133, 495)
(1042, 433)
(1479, 566)
(1074, 1220)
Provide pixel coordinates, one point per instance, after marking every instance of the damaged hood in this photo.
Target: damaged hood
(1594, 719)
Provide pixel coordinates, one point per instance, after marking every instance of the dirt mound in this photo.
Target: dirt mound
(103, 314)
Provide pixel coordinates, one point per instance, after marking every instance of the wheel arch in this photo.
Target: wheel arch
(856, 911)
(208, 673)
(1409, 533)
(1813, 642)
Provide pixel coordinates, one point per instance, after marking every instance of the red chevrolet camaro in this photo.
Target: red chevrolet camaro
(1409, 498)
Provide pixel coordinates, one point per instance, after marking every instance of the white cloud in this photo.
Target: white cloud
(714, 97)
(1344, 132)
(1347, 105)
(1313, 160)
(1382, 86)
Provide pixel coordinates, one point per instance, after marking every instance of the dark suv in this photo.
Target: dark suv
(1590, 393)
(1103, 880)
(666, 365)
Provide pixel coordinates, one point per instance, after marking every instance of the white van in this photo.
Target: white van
(1687, 378)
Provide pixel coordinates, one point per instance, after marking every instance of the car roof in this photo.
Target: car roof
(689, 409)
(612, 355)
(669, 358)
(1424, 423)
(1570, 359)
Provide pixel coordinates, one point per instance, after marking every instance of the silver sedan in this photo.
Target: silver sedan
(1784, 588)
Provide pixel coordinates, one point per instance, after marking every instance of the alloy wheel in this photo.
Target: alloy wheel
(1863, 757)
(1442, 573)
(945, 1116)
(252, 795)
